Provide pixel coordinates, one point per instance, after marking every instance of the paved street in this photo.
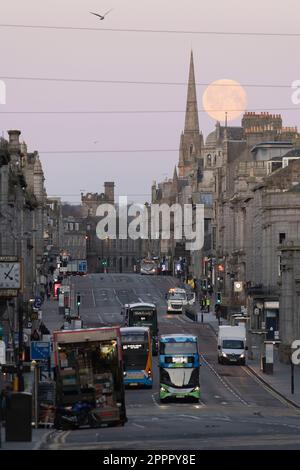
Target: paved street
(236, 410)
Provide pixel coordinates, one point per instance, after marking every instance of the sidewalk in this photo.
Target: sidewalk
(280, 380)
(39, 436)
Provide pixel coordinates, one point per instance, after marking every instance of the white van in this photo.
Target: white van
(232, 345)
(179, 300)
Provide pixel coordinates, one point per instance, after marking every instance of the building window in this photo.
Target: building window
(281, 238)
(214, 237)
(206, 199)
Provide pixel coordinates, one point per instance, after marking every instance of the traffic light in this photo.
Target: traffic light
(219, 300)
(78, 299)
(204, 284)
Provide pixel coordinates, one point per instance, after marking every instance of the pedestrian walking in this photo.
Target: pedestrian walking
(218, 313)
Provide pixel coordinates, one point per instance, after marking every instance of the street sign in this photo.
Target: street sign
(82, 266)
(37, 303)
(25, 338)
(2, 352)
(40, 350)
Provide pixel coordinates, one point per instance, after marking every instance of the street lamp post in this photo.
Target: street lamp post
(292, 377)
(21, 345)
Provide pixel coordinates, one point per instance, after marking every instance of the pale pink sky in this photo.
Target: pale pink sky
(131, 56)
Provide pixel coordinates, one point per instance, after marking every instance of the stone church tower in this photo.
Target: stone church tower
(191, 140)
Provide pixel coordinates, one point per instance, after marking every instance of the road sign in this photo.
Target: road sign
(2, 352)
(40, 350)
(37, 303)
(82, 266)
(25, 338)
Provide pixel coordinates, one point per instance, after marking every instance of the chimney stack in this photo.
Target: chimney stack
(109, 191)
(14, 145)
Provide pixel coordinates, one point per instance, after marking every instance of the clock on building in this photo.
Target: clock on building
(10, 275)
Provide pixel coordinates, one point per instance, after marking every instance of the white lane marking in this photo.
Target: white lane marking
(223, 418)
(117, 298)
(140, 299)
(223, 381)
(138, 425)
(93, 295)
(155, 402)
(100, 318)
(181, 320)
(191, 417)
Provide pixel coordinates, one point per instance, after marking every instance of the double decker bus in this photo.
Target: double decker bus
(143, 314)
(179, 367)
(137, 356)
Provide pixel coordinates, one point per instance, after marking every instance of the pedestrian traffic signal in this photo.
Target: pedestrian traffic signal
(219, 300)
(78, 299)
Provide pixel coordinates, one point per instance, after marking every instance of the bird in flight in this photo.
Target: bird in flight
(101, 16)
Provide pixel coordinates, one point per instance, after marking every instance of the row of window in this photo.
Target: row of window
(70, 226)
(125, 261)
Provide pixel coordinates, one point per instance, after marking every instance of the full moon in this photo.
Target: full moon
(224, 96)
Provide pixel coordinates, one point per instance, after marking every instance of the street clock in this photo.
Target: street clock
(10, 275)
(238, 286)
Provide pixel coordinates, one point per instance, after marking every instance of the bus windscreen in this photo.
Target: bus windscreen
(178, 348)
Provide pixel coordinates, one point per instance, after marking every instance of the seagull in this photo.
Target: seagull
(101, 16)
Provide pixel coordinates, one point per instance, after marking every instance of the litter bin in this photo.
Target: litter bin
(18, 417)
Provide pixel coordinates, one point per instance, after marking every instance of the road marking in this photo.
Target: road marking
(191, 417)
(226, 385)
(117, 298)
(100, 318)
(154, 401)
(93, 295)
(271, 392)
(138, 425)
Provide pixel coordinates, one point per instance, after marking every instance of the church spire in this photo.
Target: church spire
(175, 174)
(191, 115)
